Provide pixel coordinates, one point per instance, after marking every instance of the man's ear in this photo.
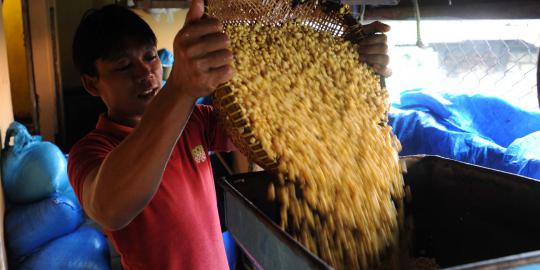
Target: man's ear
(90, 84)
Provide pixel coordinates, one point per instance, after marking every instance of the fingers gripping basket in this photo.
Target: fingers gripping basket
(328, 17)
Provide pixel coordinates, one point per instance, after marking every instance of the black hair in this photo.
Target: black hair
(106, 32)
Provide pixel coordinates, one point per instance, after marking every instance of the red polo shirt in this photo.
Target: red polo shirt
(179, 228)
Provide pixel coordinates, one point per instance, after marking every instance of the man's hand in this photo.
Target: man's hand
(202, 58)
(374, 48)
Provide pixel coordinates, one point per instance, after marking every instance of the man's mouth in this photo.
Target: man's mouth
(148, 93)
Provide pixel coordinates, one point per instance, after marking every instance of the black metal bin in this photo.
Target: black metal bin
(465, 217)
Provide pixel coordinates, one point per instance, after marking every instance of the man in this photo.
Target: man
(143, 174)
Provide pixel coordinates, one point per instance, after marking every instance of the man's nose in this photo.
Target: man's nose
(143, 70)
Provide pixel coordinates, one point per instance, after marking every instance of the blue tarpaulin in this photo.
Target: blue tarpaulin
(477, 129)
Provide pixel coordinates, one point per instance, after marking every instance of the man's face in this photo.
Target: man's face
(128, 82)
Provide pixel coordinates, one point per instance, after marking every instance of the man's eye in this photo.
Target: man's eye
(123, 67)
(151, 57)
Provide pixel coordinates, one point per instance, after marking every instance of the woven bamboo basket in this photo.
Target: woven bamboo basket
(320, 15)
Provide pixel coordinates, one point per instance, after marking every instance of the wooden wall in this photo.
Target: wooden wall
(22, 100)
(6, 117)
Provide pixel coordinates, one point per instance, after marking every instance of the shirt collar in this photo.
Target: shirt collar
(106, 124)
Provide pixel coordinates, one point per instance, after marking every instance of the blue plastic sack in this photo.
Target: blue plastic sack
(481, 130)
(32, 170)
(166, 57)
(523, 155)
(86, 248)
(489, 117)
(28, 227)
(422, 133)
(230, 250)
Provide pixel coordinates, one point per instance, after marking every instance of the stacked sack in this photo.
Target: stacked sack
(44, 222)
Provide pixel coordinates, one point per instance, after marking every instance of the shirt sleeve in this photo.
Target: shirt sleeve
(218, 140)
(84, 157)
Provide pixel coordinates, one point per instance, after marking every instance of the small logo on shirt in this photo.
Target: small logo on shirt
(198, 154)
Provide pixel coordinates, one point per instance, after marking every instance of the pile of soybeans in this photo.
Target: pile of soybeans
(320, 114)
